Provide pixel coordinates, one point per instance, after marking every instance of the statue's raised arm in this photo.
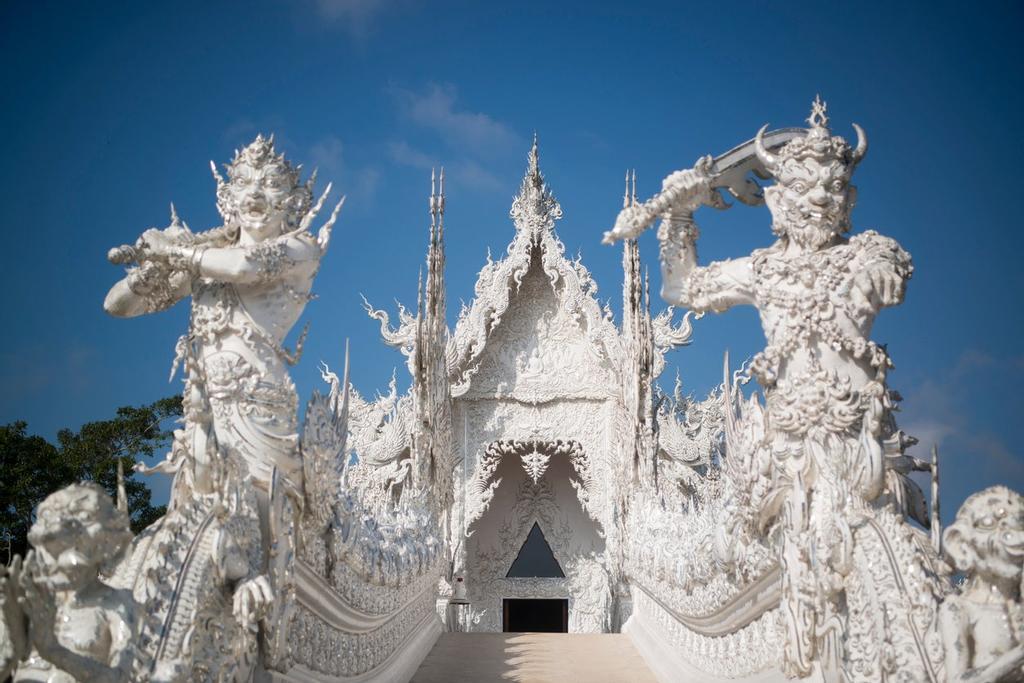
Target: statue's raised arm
(249, 280)
(722, 284)
(264, 238)
(715, 287)
(830, 455)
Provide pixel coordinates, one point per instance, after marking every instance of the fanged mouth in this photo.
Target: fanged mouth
(816, 215)
(254, 217)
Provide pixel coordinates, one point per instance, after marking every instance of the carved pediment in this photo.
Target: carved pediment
(535, 321)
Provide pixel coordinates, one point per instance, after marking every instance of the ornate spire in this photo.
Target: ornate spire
(629, 196)
(631, 278)
(819, 114)
(533, 170)
(534, 209)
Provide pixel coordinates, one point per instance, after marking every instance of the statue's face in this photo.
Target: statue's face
(811, 201)
(259, 198)
(67, 568)
(998, 524)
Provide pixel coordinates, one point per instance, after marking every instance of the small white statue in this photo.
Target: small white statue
(250, 281)
(983, 627)
(71, 625)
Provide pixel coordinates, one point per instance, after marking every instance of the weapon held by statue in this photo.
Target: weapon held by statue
(731, 172)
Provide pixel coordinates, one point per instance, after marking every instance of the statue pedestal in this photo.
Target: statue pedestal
(458, 614)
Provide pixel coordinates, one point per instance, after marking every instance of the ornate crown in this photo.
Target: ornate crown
(260, 153)
(819, 143)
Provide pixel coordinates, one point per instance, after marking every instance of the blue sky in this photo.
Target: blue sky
(113, 110)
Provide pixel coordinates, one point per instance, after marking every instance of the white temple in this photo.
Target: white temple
(534, 478)
(551, 409)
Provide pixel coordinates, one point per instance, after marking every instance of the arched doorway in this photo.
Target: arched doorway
(534, 557)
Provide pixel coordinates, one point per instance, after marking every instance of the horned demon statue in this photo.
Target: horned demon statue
(821, 469)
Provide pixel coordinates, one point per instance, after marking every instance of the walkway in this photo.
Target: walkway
(533, 658)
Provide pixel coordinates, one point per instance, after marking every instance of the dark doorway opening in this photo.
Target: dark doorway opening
(539, 616)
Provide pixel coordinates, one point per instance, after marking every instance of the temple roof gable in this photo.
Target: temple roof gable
(535, 244)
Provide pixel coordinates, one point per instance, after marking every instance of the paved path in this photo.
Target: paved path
(533, 658)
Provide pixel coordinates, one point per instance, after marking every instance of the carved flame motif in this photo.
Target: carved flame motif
(536, 464)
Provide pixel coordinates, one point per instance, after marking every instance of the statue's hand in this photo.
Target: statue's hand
(251, 600)
(681, 194)
(155, 244)
(146, 278)
(881, 284)
(692, 187)
(10, 608)
(38, 601)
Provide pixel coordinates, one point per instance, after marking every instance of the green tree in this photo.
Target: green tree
(32, 467)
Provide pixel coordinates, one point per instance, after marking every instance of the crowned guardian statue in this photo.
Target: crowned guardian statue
(249, 280)
(239, 475)
(828, 467)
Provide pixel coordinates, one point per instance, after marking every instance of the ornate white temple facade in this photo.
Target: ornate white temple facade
(534, 477)
(552, 409)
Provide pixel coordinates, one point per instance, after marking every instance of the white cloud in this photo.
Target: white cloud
(464, 172)
(349, 9)
(401, 153)
(472, 174)
(327, 156)
(470, 132)
(355, 15)
(475, 141)
(939, 410)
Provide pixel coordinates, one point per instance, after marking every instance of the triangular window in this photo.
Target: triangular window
(535, 558)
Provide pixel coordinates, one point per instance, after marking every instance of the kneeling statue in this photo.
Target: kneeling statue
(57, 610)
(983, 627)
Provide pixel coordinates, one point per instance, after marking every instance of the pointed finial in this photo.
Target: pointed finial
(534, 199)
(342, 410)
(633, 190)
(122, 494)
(216, 174)
(534, 158)
(625, 195)
(432, 203)
(440, 194)
(440, 207)
(936, 522)
(419, 294)
(819, 113)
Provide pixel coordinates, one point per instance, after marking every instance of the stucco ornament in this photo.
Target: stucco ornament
(65, 622)
(249, 281)
(823, 461)
(983, 626)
